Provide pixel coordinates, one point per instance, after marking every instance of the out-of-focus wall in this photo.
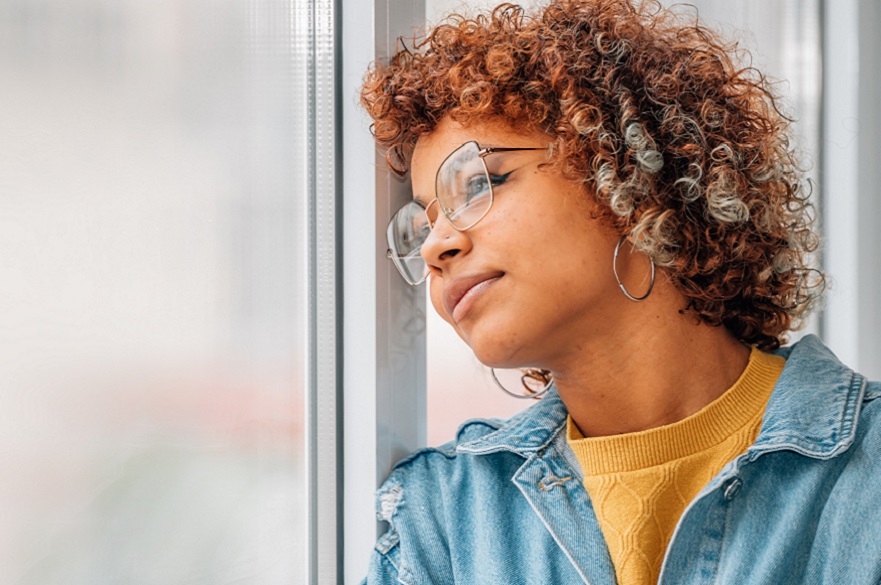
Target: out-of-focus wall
(152, 297)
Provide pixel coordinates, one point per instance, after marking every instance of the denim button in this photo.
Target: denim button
(732, 488)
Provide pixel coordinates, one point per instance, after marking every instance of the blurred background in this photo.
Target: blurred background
(152, 305)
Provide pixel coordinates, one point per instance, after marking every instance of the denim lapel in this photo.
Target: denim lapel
(557, 496)
(552, 485)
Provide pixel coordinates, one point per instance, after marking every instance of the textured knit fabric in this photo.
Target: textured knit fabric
(640, 483)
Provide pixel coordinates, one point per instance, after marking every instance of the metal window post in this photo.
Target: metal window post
(323, 396)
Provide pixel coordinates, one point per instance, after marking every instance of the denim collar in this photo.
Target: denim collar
(815, 406)
(529, 431)
(813, 410)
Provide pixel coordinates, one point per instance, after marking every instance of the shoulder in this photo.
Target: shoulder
(484, 453)
(485, 446)
(433, 471)
(435, 493)
(873, 391)
(870, 414)
(470, 430)
(442, 504)
(438, 486)
(860, 463)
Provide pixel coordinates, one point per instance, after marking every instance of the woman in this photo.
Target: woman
(601, 195)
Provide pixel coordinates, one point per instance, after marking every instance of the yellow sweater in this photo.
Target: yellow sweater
(640, 483)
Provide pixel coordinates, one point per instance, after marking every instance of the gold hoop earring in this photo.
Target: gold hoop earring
(621, 285)
(538, 394)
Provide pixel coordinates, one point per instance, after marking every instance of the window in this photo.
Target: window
(154, 254)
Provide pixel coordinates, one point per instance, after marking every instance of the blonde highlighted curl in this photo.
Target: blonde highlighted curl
(677, 145)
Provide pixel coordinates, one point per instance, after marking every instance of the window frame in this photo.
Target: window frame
(324, 284)
(850, 175)
(383, 344)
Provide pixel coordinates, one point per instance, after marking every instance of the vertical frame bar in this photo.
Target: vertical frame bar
(840, 168)
(401, 380)
(869, 193)
(323, 428)
(384, 329)
(851, 210)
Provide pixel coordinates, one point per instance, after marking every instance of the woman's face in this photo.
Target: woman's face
(529, 283)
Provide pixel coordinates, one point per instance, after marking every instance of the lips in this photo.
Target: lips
(471, 287)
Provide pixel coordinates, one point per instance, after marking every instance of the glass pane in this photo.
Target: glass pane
(152, 307)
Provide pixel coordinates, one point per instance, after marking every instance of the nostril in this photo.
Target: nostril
(449, 253)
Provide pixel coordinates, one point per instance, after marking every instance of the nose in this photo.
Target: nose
(444, 243)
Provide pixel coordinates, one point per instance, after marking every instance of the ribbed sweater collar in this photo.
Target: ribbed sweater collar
(740, 405)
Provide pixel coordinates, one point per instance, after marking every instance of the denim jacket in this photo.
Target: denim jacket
(504, 503)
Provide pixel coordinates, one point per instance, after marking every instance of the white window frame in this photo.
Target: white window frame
(384, 324)
(851, 182)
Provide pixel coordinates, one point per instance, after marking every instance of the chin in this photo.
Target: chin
(493, 354)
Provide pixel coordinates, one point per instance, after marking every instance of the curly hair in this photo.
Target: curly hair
(678, 145)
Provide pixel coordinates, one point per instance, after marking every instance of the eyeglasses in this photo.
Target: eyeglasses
(463, 193)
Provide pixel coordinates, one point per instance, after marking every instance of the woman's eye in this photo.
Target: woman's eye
(475, 187)
(478, 186)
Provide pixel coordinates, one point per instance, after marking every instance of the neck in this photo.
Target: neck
(658, 367)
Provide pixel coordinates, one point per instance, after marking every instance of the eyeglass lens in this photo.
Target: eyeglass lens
(464, 195)
(463, 187)
(406, 233)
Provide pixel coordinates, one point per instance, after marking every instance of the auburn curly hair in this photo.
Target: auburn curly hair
(677, 144)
